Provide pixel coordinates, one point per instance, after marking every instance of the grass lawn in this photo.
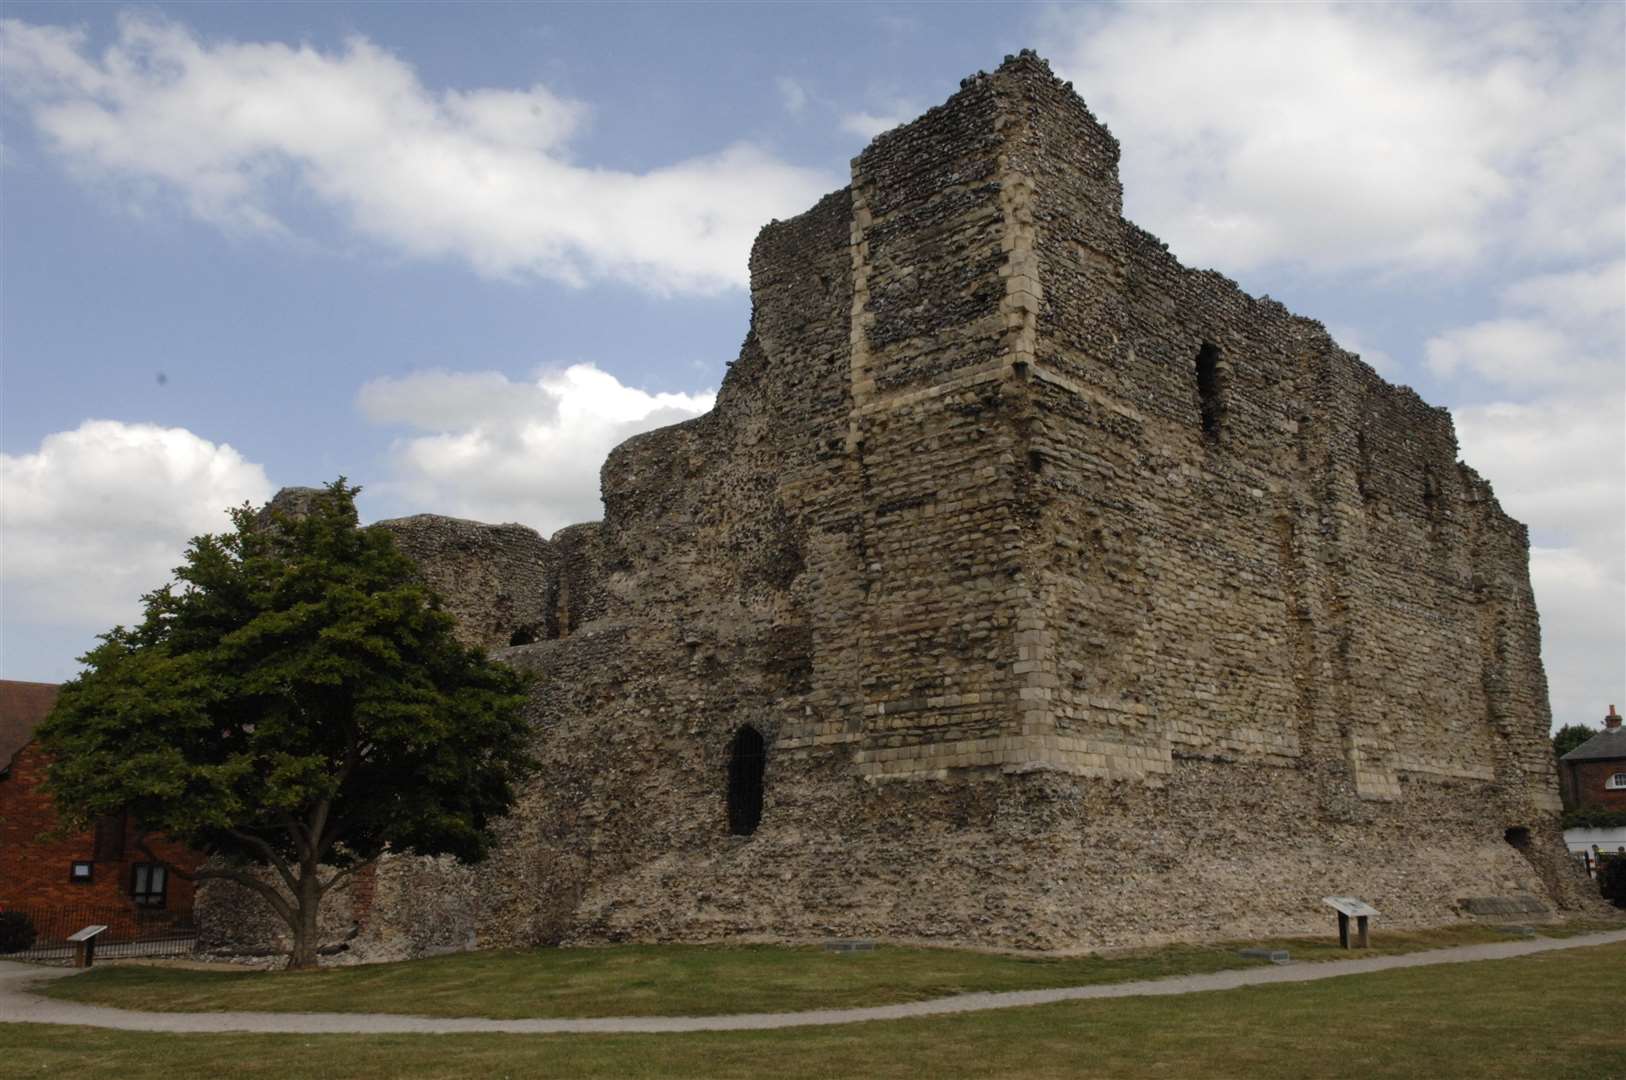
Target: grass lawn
(1552, 1015)
(675, 980)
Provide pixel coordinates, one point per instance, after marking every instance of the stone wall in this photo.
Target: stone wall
(403, 907)
(493, 578)
(1080, 598)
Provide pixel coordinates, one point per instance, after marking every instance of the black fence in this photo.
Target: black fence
(42, 931)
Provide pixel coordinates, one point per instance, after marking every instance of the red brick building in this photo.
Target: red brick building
(104, 874)
(1594, 773)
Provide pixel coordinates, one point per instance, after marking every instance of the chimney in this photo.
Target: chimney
(1612, 721)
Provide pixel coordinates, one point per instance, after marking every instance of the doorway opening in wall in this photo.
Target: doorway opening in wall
(745, 767)
(1518, 836)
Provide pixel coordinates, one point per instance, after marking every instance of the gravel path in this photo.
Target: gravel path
(17, 1005)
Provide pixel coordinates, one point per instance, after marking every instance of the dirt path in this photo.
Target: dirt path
(17, 1005)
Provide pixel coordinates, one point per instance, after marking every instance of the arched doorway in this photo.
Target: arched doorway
(746, 759)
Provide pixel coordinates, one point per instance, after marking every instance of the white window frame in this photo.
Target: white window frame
(1616, 782)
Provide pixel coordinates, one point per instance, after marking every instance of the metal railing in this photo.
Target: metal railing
(131, 931)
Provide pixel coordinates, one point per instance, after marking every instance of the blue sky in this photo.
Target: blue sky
(456, 252)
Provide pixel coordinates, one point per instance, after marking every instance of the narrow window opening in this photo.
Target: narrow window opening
(745, 767)
(1518, 836)
(1363, 466)
(1035, 461)
(1209, 398)
(1433, 504)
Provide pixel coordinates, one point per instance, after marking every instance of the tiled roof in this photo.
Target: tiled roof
(22, 706)
(1602, 746)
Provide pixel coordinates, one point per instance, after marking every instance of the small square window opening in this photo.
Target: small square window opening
(81, 871)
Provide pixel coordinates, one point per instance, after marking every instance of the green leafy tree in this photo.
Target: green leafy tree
(294, 701)
(1570, 736)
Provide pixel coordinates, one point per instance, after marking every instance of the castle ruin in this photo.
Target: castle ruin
(1024, 589)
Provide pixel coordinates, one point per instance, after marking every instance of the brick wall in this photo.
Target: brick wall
(35, 856)
(1587, 780)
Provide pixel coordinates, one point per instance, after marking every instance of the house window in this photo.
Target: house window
(81, 871)
(1617, 782)
(147, 881)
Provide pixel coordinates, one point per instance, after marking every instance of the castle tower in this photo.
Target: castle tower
(958, 219)
(1117, 513)
(1020, 575)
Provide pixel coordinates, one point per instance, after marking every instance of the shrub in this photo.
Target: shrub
(1612, 881)
(1592, 817)
(16, 932)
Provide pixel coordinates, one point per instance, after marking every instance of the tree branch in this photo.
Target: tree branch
(295, 832)
(277, 861)
(169, 867)
(240, 877)
(317, 827)
(348, 871)
(337, 826)
(322, 836)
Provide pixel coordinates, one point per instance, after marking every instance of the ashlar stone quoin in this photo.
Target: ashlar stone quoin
(1073, 598)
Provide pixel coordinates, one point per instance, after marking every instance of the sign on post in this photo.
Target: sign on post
(1351, 907)
(84, 945)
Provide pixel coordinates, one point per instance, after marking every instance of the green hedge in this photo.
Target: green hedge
(1593, 817)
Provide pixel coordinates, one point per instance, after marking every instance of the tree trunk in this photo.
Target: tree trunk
(307, 903)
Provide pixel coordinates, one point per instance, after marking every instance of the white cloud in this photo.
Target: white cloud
(1592, 296)
(1353, 340)
(1555, 465)
(1582, 633)
(480, 175)
(1558, 330)
(498, 450)
(1555, 460)
(99, 515)
(868, 124)
(1360, 136)
(1512, 352)
(791, 94)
